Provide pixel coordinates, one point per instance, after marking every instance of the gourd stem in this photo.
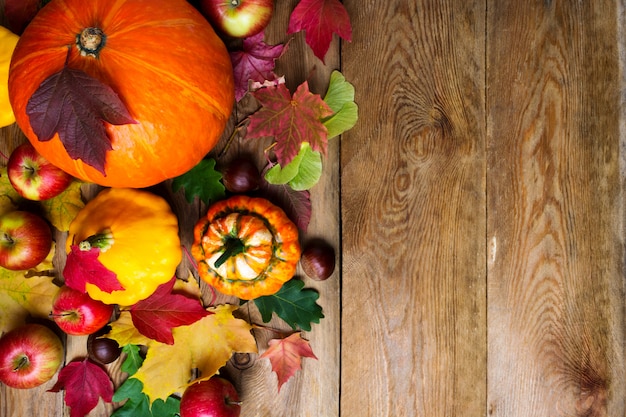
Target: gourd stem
(102, 241)
(232, 247)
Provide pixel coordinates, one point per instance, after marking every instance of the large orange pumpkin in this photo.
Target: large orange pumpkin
(163, 60)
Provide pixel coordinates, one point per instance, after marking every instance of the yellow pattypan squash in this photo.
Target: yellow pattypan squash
(8, 40)
(137, 234)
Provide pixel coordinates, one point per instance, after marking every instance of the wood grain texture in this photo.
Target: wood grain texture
(413, 211)
(478, 212)
(555, 230)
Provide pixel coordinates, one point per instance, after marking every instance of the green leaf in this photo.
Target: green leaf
(302, 173)
(278, 175)
(133, 359)
(309, 171)
(294, 304)
(340, 98)
(138, 404)
(130, 389)
(339, 91)
(134, 408)
(343, 120)
(168, 408)
(202, 181)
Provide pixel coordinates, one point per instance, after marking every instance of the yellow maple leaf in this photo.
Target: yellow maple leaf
(206, 345)
(9, 198)
(61, 209)
(125, 333)
(188, 286)
(26, 293)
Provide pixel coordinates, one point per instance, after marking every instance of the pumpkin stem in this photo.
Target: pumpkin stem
(90, 41)
(232, 247)
(102, 241)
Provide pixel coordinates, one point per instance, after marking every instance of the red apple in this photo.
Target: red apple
(30, 355)
(238, 18)
(33, 177)
(78, 314)
(215, 397)
(25, 240)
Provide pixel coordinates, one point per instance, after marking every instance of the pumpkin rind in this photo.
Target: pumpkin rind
(271, 248)
(163, 60)
(145, 249)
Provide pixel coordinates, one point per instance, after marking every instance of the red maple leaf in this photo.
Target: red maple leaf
(320, 19)
(84, 383)
(290, 120)
(286, 355)
(75, 105)
(157, 315)
(83, 266)
(255, 62)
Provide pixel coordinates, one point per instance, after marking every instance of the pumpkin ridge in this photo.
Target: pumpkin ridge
(181, 22)
(209, 103)
(111, 13)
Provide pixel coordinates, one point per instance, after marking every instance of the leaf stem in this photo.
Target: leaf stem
(233, 135)
(195, 266)
(282, 333)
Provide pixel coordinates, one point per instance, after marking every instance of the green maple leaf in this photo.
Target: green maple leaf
(138, 404)
(293, 303)
(302, 173)
(340, 98)
(133, 359)
(203, 181)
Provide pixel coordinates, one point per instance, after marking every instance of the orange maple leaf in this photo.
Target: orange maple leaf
(286, 355)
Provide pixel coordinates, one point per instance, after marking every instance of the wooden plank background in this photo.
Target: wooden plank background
(478, 209)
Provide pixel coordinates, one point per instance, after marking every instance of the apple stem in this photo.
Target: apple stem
(7, 239)
(21, 363)
(52, 315)
(231, 402)
(2, 154)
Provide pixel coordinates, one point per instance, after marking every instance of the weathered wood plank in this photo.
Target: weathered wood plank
(555, 210)
(413, 211)
(314, 392)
